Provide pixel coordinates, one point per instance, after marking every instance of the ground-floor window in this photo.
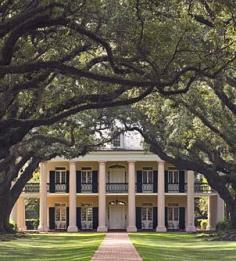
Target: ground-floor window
(147, 215)
(60, 216)
(87, 217)
(173, 217)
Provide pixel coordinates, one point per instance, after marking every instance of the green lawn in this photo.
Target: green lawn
(181, 247)
(52, 246)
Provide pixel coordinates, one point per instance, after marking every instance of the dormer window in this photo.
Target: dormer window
(117, 141)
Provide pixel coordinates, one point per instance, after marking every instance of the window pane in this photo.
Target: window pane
(89, 214)
(149, 214)
(57, 177)
(83, 177)
(89, 177)
(63, 177)
(170, 213)
(150, 177)
(143, 213)
(176, 214)
(63, 214)
(57, 214)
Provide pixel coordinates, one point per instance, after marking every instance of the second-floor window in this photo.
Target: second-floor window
(173, 176)
(147, 177)
(60, 177)
(86, 176)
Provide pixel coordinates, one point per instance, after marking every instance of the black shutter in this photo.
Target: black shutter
(181, 181)
(68, 181)
(166, 217)
(154, 216)
(95, 181)
(139, 181)
(52, 181)
(78, 181)
(51, 218)
(166, 181)
(181, 218)
(67, 217)
(95, 218)
(78, 217)
(138, 218)
(155, 181)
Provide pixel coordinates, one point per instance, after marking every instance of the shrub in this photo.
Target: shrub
(223, 225)
(204, 223)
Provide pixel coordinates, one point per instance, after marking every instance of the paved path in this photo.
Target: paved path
(116, 247)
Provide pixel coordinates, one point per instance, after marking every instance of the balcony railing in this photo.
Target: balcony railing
(174, 187)
(86, 187)
(147, 187)
(31, 188)
(117, 187)
(202, 188)
(60, 187)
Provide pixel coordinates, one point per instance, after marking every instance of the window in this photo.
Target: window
(116, 142)
(60, 176)
(173, 214)
(86, 176)
(60, 215)
(147, 217)
(147, 176)
(173, 176)
(87, 217)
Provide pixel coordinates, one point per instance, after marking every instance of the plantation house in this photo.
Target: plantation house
(120, 187)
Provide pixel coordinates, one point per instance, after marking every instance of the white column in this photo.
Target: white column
(102, 197)
(72, 199)
(190, 227)
(21, 214)
(13, 215)
(131, 198)
(212, 211)
(161, 198)
(220, 209)
(43, 227)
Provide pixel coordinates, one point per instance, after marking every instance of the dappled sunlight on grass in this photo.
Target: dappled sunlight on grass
(181, 246)
(52, 246)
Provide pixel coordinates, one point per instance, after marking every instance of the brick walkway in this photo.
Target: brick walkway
(116, 247)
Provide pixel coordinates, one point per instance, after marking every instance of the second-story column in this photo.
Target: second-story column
(131, 198)
(43, 227)
(102, 197)
(190, 227)
(161, 198)
(72, 198)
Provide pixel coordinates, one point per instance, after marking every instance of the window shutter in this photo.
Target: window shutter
(51, 218)
(181, 218)
(166, 181)
(155, 175)
(68, 182)
(166, 217)
(95, 181)
(95, 218)
(181, 181)
(139, 181)
(67, 217)
(78, 217)
(138, 218)
(78, 181)
(154, 217)
(52, 181)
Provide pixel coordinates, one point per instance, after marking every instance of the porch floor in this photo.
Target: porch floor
(116, 247)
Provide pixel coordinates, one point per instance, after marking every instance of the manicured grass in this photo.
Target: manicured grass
(52, 246)
(181, 247)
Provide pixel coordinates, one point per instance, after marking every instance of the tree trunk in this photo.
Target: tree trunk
(5, 211)
(232, 215)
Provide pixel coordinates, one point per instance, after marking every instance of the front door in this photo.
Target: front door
(147, 218)
(117, 217)
(173, 217)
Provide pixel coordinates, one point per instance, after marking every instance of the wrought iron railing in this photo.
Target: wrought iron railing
(60, 187)
(117, 187)
(147, 187)
(86, 187)
(175, 187)
(202, 188)
(31, 188)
